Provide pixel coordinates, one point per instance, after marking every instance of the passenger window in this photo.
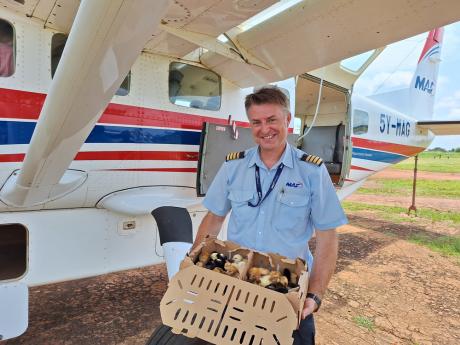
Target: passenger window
(360, 122)
(7, 49)
(57, 46)
(194, 87)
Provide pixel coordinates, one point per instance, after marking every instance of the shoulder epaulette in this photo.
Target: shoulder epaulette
(311, 159)
(234, 155)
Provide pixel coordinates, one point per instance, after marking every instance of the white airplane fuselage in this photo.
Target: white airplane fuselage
(143, 154)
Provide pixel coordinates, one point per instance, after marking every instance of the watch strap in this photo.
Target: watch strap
(316, 299)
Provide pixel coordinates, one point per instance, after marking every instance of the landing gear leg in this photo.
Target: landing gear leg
(413, 207)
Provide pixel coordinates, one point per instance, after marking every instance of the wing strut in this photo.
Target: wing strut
(106, 38)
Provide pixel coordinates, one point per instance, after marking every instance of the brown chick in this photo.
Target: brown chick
(204, 257)
(219, 270)
(255, 273)
(284, 281)
(231, 271)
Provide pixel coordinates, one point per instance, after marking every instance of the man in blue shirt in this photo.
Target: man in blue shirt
(278, 196)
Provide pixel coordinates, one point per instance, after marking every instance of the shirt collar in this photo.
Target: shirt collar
(286, 158)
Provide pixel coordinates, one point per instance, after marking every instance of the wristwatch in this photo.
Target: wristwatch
(316, 299)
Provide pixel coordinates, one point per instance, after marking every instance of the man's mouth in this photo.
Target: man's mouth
(268, 136)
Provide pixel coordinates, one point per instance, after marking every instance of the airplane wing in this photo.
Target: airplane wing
(312, 34)
(305, 36)
(448, 127)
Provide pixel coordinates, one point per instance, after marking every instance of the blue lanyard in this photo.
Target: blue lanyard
(259, 187)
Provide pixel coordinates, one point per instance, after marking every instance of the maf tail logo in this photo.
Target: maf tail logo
(424, 84)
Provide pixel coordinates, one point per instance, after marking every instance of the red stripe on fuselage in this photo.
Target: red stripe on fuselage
(12, 157)
(118, 155)
(355, 167)
(136, 155)
(192, 170)
(405, 150)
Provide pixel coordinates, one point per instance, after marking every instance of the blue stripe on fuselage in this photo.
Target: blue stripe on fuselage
(378, 156)
(18, 132)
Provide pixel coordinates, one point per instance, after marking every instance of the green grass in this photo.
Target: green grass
(394, 212)
(365, 322)
(447, 245)
(448, 162)
(432, 188)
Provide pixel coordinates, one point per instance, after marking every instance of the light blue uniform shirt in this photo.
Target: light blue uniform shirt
(303, 199)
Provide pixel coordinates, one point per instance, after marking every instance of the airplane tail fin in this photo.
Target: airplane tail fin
(423, 84)
(418, 100)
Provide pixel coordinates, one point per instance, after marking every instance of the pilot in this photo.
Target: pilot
(278, 196)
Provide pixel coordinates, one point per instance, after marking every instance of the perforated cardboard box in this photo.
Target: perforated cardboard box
(225, 310)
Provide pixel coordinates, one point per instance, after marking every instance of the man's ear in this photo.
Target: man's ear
(288, 118)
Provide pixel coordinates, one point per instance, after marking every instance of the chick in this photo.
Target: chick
(204, 257)
(237, 258)
(255, 273)
(265, 280)
(240, 265)
(284, 281)
(231, 270)
(291, 277)
(219, 270)
(275, 276)
(293, 281)
(214, 256)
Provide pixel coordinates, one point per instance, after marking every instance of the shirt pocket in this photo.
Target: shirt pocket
(291, 213)
(240, 208)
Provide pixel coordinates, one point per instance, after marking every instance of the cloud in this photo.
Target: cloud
(454, 113)
(449, 106)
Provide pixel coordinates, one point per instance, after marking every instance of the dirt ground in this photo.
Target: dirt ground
(409, 295)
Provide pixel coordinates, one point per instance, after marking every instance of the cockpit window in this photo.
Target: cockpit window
(194, 87)
(7, 49)
(57, 46)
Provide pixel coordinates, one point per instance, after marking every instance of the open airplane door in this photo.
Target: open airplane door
(323, 99)
(216, 142)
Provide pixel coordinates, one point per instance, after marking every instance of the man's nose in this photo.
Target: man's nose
(264, 127)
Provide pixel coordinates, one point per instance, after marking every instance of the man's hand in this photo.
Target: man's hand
(309, 307)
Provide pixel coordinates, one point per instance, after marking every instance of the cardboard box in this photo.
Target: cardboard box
(225, 310)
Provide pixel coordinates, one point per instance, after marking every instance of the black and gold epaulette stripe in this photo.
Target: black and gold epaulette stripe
(312, 159)
(234, 155)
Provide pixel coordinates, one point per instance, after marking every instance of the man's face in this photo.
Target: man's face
(269, 125)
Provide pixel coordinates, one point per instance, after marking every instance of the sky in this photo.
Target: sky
(394, 68)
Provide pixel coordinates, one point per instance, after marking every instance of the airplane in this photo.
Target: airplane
(106, 106)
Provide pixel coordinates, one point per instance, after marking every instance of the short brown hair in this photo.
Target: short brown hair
(267, 95)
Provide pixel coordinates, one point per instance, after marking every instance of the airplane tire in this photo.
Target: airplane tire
(163, 336)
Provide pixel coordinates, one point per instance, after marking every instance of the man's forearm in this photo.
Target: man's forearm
(210, 225)
(324, 262)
